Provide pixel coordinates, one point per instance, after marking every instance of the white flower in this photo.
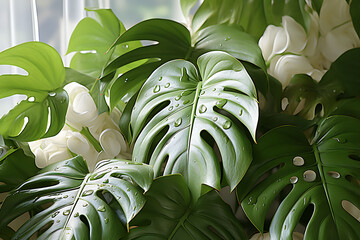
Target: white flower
(82, 108)
(285, 67)
(50, 150)
(291, 37)
(266, 236)
(337, 31)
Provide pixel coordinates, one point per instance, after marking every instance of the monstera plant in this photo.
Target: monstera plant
(241, 123)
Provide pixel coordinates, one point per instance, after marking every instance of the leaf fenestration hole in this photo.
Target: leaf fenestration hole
(33, 185)
(353, 180)
(354, 157)
(351, 209)
(284, 103)
(156, 110)
(10, 69)
(305, 218)
(319, 110)
(229, 89)
(85, 221)
(156, 141)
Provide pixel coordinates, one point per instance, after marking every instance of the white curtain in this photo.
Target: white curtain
(52, 22)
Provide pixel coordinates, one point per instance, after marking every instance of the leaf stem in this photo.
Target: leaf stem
(85, 132)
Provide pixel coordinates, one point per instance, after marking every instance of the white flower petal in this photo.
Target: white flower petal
(78, 144)
(266, 42)
(40, 158)
(111, 141)
(296, 35)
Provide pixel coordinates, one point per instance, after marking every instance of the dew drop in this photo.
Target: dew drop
(263, 204)
(167, 85)
(160, 78)
(298, 161)
(58, 221)
(55, 214)
(85, 205)
(227, 125)
(125, 46)
(128, 189)
(67, 212)
(202, 109)
(66, 196)
(106, 181)
(31, 99)
(52, 94)
(220, 45)
(134, 208)
(227, 38)
(339, 140)
(215, 119)
(221, 103)
(126, 80)
(333, 174)
(309, 176)
(177, 98)
(250, 200)
(136, 193)
(106, 220)
(202, 92)
(170, 108)
(178, 122)
(76, 214)
(241, 112)
(101, 208)
(176, 105)
(88, 192)
(156, 89)
(186, 101)
(214, 89)
(294, 179)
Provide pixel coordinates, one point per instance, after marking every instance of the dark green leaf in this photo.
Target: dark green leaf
(320, 175)
(15, 169)
(354, 12)
(79, 205)
(43, 113)
(171, 214)
(182, 113)
(252, 16)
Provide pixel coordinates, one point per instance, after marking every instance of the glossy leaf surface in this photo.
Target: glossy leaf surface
(322, 175)
(169, 40)
(252, 16)
(80, 205)
(182, 112)
(171, 214)
(43, 113)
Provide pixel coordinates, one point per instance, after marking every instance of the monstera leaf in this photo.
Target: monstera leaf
(91, 41)
(181, 112)
(252, 16)
(43, 113)
(170, 40)
(319, 98)
(324, 178)
(78, 204)
(171, 214)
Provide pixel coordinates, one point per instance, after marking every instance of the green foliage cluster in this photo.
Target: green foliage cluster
(189, 102)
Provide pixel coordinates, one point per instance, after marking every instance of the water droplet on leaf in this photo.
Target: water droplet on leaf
(298, 161)
(221, 103)
(167, 85)
(177, 98)
(309, 176)
(294, 179)
(160, 78)
(125, 46)
(52, 94)
(202, 109)
(67, 212)
(215, 119)
(85, 205)
(227, 125)
(101, 208)
(106, 220)
(31, 99)
(333, 174)
(55, 214)
(186, 101)
(178, 122)
(88, 192)
(170, 108)
(156, 89)
(76, 214)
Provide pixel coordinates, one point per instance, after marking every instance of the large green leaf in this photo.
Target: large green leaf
(79, 205)
(171, 214)
(181, 112)
(252, 16)
(354, 11)
(43, 113)
(324, 175)
(92, 42)
(171, 40)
